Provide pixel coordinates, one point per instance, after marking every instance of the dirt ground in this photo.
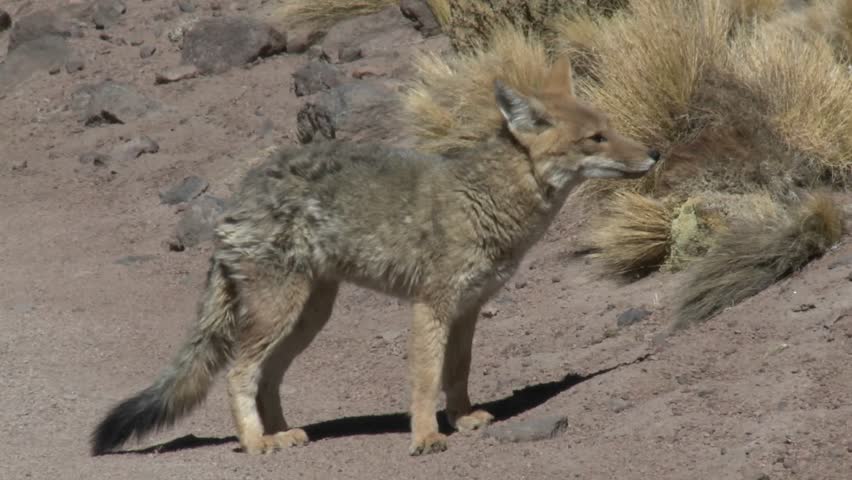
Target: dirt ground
(93, 304)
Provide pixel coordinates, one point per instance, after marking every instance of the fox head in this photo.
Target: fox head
(566, 140)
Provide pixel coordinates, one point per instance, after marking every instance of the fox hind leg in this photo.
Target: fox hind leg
(456, 373)
(271, 304)
(314, 316)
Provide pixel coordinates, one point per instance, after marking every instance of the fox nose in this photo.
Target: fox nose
(654, 154)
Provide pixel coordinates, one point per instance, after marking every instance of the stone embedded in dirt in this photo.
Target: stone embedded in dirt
(631, 316)
(349, 54)
(315, 77)
(198, 221)
(419, 12)
(74, 65)
(216, 44)
(146, 51)
(618, 405)
(488, 312)
(186, 6)
(5, 20)
(40, 54)
(316, 53)
(355, 111)
(384, 31)
(128, 260)
(134, 148)
(112, 102)
(176, 34)
(95, 159)
(42, 23)
(107, 12)
(176, 74)
(529, 430)
(189, 188)
(19, 165)
(804, 307)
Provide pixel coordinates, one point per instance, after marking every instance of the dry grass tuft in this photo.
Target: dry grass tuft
(632, 235)
(755, 252)
(441, 10)
(451, 105)
(324, 13)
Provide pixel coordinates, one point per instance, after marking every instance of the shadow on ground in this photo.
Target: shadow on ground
(518, 402)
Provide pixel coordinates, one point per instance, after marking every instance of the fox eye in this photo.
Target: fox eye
(598, 138)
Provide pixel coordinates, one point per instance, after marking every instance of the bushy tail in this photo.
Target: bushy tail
(184, 384)
(753, 254)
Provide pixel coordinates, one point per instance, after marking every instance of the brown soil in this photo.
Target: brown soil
(763, 391)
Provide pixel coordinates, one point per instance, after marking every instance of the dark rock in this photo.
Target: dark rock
(43, 23)
(175, 74)
(146, 51)
(804, 307)
(631, 316)
(350, 54)
(44, 53)
(107, 12)
(529, 430)
(134, 148)
(216, 44)
(5, 20)
(199, 220)
(355, 111)
(380, 32)
(419, 12)
(189, 188)
(186, 6)
(112, 102)
(316, 77)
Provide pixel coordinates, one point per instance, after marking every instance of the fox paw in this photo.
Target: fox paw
(473, 421)
(432, 443)
(271, 443)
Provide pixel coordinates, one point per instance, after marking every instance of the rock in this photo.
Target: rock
(54, 70)
(189, 188)
(844, 261)
(44, 53)
(489, 312)
(43, 23)
(419, 12)
(364, 110)
(198, 221)
(146, 51)
(128, 260)
(74, 65)
(631, 316)
(804, 307)
(134, 148)
(216, 44)
(5, 20)
(107, 12)
(299, 40)
(316, 53)
(175, 74)
(350, 54)
(95, 159)
(19, 165)
(618, 405)
(111, 102)
(529, 430)
(315, 77)
(385, 31)
(176, 34)
(186, 6)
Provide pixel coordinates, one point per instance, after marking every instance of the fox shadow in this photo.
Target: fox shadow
(505, 408)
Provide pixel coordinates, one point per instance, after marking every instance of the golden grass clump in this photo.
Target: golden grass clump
(756, 251)
(324, 13)
(633, 234)
(807, 94)
(441, 10)
(450, 104)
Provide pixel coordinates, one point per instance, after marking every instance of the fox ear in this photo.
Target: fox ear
(521, 113)
(561, 77)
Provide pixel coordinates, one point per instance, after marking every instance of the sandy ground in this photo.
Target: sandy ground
(763, 391)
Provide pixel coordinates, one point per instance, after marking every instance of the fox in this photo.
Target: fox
(442, 232)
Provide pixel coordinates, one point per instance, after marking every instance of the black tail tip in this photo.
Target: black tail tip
(133, 417)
